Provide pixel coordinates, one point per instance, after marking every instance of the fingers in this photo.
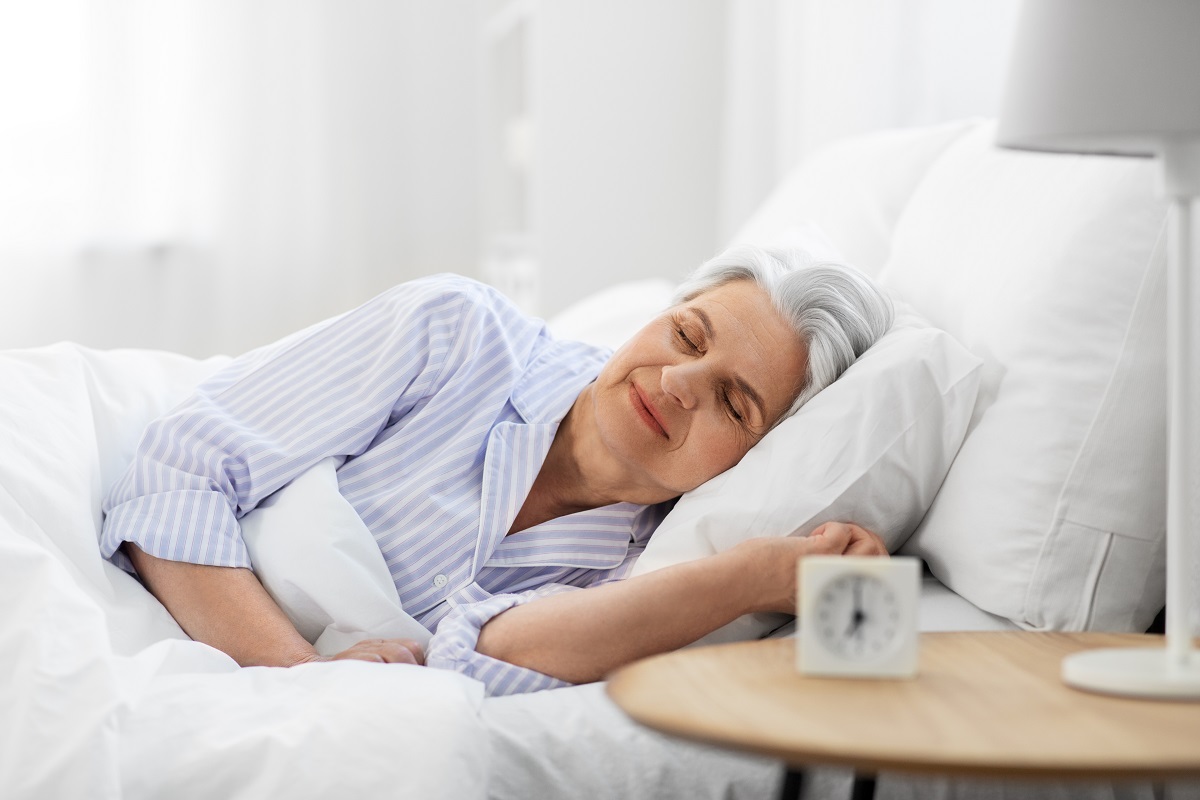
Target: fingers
(832, 538)
(865, 543)
(385, 651)
(844, 538)
(415, 650)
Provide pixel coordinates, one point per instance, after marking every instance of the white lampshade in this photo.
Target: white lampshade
(1103, 76)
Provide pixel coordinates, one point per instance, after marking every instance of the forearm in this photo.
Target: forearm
(224, 607)
(581, 636)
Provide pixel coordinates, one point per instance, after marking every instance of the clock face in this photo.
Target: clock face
(857, 616)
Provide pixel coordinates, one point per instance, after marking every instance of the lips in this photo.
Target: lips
(647, 411)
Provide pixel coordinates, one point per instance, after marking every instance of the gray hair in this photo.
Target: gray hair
(836, 310)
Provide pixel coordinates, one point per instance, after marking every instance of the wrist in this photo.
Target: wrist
(742, 580)
(303, 656)
(765, 570)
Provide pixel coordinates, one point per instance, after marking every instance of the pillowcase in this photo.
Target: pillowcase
(855, 190)
(872, 448)
(1050, 268)
(321, 565)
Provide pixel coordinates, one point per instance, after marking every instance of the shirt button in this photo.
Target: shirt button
(440, 580)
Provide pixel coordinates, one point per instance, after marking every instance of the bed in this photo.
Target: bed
(1013, 440)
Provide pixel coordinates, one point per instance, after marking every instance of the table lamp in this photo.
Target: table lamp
(1122, 77)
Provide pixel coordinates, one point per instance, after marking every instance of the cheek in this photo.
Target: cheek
(715, 447)
(615, 371)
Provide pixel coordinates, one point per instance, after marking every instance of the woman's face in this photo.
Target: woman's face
(689, 394)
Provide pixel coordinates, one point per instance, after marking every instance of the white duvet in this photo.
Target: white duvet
(101, 693)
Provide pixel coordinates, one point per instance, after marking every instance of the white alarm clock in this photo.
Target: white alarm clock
(858, 616)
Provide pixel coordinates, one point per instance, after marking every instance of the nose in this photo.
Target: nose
(679, 381)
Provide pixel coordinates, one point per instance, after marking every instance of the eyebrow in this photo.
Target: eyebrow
(743, 387)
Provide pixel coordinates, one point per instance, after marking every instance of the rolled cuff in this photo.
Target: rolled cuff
(197, 527)
(453, 646)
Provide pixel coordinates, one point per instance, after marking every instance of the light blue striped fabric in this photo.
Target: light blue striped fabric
(444, 398)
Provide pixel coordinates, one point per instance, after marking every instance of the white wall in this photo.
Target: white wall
(628, 101)
(804, 73)
(404, 105)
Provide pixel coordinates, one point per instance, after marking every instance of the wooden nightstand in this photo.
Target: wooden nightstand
(983, 704)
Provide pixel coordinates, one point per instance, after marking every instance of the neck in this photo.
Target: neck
(578, 474)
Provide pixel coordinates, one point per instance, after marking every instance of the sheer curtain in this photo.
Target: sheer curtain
(208, 196)
(803, 73)
(206, 175)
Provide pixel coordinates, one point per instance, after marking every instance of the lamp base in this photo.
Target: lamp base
(1133, 672)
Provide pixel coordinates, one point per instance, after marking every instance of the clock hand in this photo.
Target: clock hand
(859, 617)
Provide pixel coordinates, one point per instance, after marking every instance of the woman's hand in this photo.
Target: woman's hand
(845, 539)
(772, 560)
(380, 651)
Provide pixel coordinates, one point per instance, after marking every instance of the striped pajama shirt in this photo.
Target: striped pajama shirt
(444, 399)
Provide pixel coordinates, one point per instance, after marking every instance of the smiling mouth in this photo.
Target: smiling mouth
(646, 411)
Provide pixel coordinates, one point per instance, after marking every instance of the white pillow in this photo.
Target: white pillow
(1049, 267)
(855, 190)
(321, 565)
(872, 448)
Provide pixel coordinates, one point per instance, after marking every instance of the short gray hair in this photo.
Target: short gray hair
(837, 311)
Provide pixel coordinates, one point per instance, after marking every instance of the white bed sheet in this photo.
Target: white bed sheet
(576, 744)
(101, 693)
(588, 749)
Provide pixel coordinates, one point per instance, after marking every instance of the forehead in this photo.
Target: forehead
(753, 338)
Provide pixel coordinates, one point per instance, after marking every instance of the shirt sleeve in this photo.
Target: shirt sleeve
(271, 414)
(453, 646)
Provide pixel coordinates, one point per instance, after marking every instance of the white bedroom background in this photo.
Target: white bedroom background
(803, 73)
(206, 175)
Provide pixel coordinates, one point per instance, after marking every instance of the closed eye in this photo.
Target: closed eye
(689, 344)
(729, 404)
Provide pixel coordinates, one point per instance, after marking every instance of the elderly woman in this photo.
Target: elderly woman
(495, 465)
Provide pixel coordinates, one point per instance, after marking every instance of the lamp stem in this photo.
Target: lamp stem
(1182, 441)
(1181, 184)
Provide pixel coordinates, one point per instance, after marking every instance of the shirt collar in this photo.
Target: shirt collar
(542, 396)
(555, 377)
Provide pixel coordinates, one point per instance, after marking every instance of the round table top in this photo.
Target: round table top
(983, 703)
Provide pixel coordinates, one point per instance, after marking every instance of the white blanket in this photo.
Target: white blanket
(320, 563)
(101, 693)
